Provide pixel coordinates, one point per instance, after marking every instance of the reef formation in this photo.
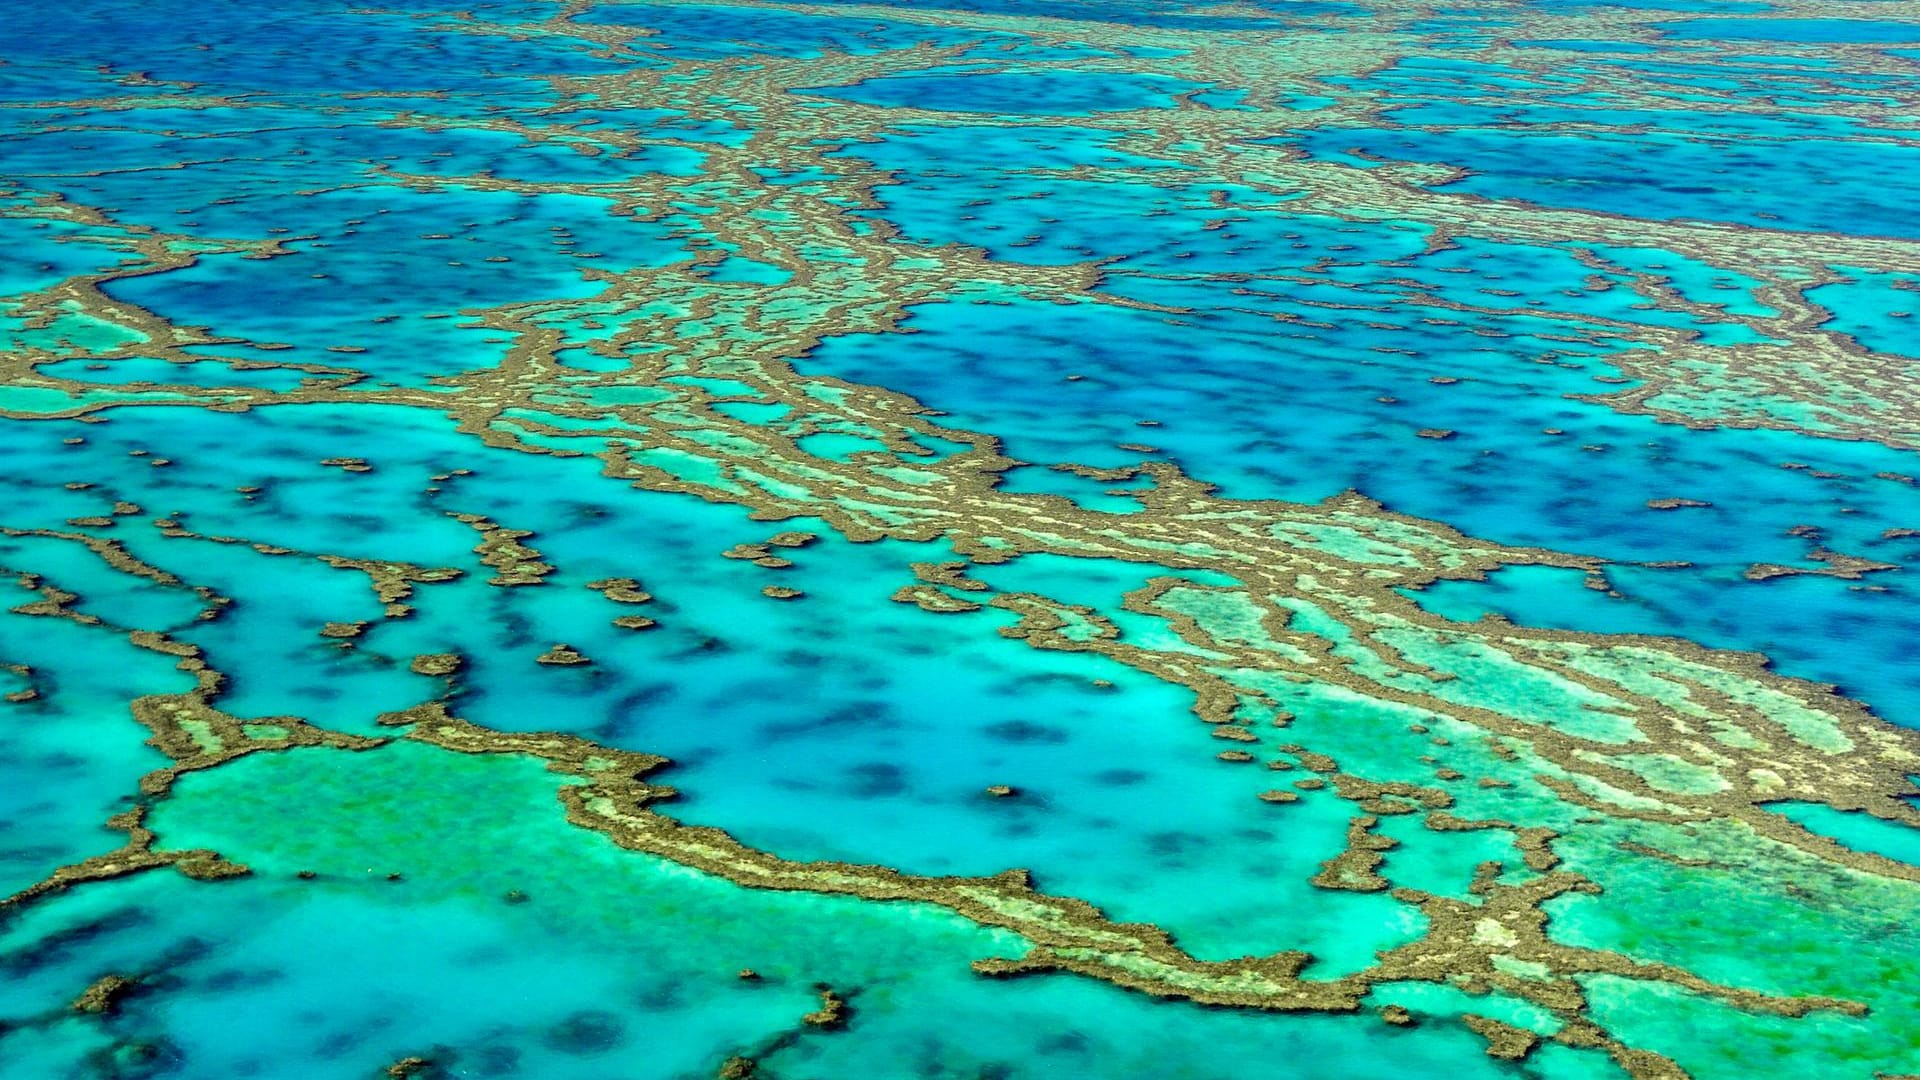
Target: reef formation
(1401, 509)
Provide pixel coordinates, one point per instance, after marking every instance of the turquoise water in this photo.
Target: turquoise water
(1391, 522)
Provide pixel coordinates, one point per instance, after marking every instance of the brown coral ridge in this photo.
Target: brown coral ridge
(562, 655)
(935, 586)
(1837, 383)
(1160, 967)
(1470, 945)
(408, 1067)
(1181, 525)
(1767, 739)
(105, 994)
(621, 590)
(392, 581)
(1464, 944)
(1355, 867)
(1074, 936)
(1504, 1040)
(929, 599)
(437, 665)
(1836, 564)
(137, 855)
(513, 563)
(195, 735)
(624, 590)
(832, 1013)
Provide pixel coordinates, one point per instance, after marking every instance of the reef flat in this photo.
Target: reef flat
(1002, 538)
